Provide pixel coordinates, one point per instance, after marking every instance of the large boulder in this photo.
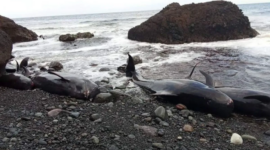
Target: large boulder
(84, 35)
(67, 38)
(73, 37)
(16, 32)
(5, 50)
(203, 22)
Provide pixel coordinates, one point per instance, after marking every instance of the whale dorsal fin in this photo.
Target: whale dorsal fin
(262, 98)
(24, 62)
(191, 73)
(130, 66)
(163, 93)
(62, 78)
(208, 78)
(17, 66)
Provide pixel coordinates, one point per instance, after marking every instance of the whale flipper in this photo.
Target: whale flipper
(17, 66)
(62, 78)
(191, 73)
(208, 78)
(262, 98)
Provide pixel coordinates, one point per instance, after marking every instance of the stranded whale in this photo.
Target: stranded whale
(193, 94)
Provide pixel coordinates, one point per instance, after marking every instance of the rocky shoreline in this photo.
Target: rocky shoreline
(118, 125)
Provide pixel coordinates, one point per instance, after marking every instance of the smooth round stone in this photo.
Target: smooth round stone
(157, 145)
(95, 139)
(94, 117)
(188, 128)
(55, 121)
(161, 112)
(38, 114)
(84, 134)
(42, 142)
(236, 139)
(131, 136)
(249, 137)
(13, 140)
(179, 138)
(5, 139)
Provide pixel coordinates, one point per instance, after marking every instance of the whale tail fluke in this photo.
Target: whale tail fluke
(130, 69)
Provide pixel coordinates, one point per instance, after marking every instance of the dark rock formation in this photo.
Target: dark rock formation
(84, 35)
(73, 37)
(56, 66)
(5, 50)
(67, 38)
(16, 32)
(203, 22)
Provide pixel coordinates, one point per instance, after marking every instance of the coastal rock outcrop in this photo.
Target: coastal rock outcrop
(67, 38)
(73, 37)
(16, 32)
(203, 22)
(5, 50)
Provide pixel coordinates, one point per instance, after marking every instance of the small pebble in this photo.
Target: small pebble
(236, 139)
(95, 139)
(38, 114)
(5, 139)
(160, 132)
(203, 140)
(249, 137)
(13, 139)
(42, 142)
(157, 145)
(188, 128)
(131, 136)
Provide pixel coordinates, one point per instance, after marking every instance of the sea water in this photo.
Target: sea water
(110, 44)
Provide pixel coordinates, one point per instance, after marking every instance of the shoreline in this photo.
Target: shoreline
(24, 128)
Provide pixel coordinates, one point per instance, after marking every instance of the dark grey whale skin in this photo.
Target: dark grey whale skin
(193, 94)
(247, 101)
(16, 81)
(67, 85)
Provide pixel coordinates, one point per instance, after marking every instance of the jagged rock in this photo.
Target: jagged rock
(202, 22)
(73, 37)
(5, 50)
(16, 32)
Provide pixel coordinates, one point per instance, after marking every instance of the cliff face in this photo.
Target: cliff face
(203, 22)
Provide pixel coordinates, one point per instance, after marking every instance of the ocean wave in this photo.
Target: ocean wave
(113, 20)
(49, 28)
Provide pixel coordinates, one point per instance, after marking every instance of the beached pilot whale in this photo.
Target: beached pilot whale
(193, 94)
(66, 84)
(16, 80)
(246, 101)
